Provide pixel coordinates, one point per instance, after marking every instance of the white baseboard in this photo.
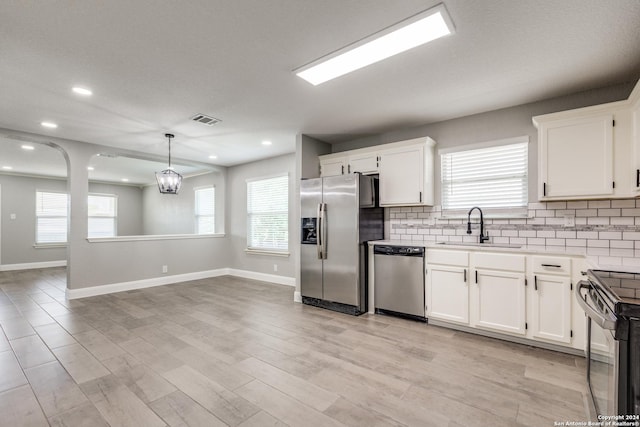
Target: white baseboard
(33, 265)
(273, 278)
(297, 297)
(177, 278)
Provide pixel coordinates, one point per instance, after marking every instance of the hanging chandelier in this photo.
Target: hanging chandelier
(169, 181)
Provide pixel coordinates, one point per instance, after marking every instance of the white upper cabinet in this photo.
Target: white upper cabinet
(365, 163)
(576, 158)
(405, 169)
(406, 174)
(591, 152)
(333, 166)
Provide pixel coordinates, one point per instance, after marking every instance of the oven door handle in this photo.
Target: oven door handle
(593, 313)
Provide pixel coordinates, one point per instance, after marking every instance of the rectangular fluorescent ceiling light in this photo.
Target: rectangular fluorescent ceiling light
(412, 32)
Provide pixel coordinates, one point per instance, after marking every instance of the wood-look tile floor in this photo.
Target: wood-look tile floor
(235, 352)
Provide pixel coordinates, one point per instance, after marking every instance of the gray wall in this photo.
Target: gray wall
(18, 197)
(174, 213)
(237, 216)
(129, 222)
(19, 235)
(495, 125)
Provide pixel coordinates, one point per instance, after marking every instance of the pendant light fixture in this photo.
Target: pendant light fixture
(169, 181)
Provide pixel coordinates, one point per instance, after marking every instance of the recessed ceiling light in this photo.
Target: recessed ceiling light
(213, 156)
(90, 168)
(125, 180)
(8, 168)
(412, 32)
(28, 147)
(266, 142)
(50, 125)
(82, 91)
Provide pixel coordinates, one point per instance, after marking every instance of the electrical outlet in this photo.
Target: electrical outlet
(275, 267)
(569, 221)
(12, 216)
(165, 269)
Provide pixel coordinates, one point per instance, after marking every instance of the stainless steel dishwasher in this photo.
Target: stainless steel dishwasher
(399, 280)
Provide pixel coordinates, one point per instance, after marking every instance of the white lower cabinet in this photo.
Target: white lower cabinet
(448, 293)
(498, 301)
(551, 308)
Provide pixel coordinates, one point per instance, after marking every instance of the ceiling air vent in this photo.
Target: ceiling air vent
(207, 120)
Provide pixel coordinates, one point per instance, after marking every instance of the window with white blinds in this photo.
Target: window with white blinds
(494, 178)
(103, 213)
(205, 210)
(51, 217)
(268, 213)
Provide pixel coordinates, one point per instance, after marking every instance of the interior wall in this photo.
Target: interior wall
(175, 213)
(19, 234)
(237, 216)
(129, 221)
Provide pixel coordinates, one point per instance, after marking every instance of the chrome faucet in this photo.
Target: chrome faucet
(482, 237)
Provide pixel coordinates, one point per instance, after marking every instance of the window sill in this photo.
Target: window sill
(153, 237)
(49, 245)
(250, 251)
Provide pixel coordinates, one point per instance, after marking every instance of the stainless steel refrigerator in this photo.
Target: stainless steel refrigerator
(339, 215)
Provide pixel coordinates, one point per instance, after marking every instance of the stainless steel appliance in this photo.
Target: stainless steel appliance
(399, 276)
(339, 215)
(611, 301)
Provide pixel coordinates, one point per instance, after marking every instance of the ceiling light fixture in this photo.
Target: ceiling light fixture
(213, 156)
(412, 32)
(90, 168)
(28, 147)
(266, 142)
(49, 125)
(169, 181)
(124, 179)
(82, 91)
(7, 168)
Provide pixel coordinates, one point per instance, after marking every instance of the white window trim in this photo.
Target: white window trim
(115, 222)
(488, 213)
(195, 209)
(40, 245)
(267, 251)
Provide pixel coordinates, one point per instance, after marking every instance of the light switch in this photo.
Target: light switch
(12, 216)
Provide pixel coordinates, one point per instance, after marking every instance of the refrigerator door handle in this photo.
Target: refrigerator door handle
(322, 234)
(319, 230)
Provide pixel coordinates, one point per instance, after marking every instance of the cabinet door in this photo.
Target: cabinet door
(499, 301)
(576, 158)
(447, 294)
(402, 176)
(366, 164)
(332, 167)
(551, 305)
(636, 145)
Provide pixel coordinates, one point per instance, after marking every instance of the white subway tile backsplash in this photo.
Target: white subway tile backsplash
(607, 229)
(623, 203)
(577, 205)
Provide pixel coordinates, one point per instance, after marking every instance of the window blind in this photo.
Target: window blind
(493, 178)
(102, 215)
(268, 213)
(51, 217)
(205, 210)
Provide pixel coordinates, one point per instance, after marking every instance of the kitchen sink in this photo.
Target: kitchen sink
(480, 245)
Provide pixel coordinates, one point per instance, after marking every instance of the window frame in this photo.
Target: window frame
(37, 217)
(195, 209)
(115, 217)
(268, 250)
(489, 212)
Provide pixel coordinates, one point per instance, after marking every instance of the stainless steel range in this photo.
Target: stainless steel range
(611, 301)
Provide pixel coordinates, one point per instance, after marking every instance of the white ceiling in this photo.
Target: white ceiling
(152, 65)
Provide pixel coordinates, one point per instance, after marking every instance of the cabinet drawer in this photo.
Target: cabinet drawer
(496, 261)
(552, 265)
(455, 258)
